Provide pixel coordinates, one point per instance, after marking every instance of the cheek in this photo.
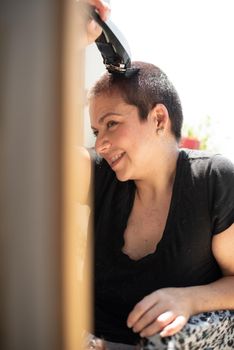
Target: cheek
(143, 146)
(123, 135)
(133, 139)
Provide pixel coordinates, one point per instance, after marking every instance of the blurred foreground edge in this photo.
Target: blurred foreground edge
(41, 87)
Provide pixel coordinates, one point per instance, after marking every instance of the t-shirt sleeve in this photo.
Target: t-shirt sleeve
(221, 190)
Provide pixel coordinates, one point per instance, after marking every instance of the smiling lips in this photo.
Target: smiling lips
(114, 160)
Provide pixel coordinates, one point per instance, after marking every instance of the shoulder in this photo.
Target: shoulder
(205, 162)
(212, 178)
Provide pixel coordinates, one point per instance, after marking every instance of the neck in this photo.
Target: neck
(159, 180)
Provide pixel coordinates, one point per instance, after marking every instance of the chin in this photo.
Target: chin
(122, 177)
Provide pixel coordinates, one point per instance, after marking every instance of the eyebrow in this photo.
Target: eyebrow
(101, 120)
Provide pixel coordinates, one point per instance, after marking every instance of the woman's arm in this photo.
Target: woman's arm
(93, 30)
(220, 294)
(168, 310)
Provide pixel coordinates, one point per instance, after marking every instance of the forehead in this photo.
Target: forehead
(104, 103)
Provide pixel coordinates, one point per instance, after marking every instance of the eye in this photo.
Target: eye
(111, 123)
(95, 133)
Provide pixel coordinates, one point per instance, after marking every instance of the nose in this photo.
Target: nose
(102, 145)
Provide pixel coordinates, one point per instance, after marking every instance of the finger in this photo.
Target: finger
(103, 9)
(140, 308)
(93, 31)
(100, 345)
(153, 315)
(157, 324)
(174, 326)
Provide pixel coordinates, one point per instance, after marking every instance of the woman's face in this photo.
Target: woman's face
(122, 139)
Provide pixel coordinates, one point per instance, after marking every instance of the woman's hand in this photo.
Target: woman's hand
(166, 311)
(93, 30)
(102, 7)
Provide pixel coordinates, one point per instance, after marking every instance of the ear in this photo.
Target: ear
(160, 117)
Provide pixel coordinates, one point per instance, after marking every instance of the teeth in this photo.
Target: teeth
(113, 159)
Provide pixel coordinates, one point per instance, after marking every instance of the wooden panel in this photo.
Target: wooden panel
(75, 217)
(30, 148)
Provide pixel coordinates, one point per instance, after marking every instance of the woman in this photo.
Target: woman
(164, 233)
(163, 224)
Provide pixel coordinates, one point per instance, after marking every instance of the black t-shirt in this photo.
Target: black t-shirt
(202, 205)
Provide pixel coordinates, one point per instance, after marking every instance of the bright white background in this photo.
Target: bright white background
(192, 41)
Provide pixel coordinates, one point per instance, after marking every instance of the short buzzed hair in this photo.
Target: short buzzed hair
(144, 89)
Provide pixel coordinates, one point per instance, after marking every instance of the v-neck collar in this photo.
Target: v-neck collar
(127, 205)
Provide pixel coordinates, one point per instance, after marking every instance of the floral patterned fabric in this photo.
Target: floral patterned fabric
(207, 331)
